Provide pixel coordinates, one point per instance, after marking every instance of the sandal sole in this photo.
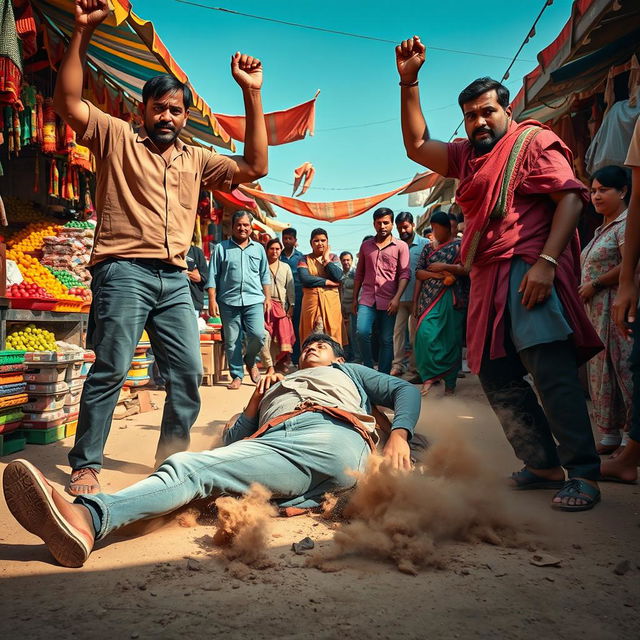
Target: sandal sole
(32, 506)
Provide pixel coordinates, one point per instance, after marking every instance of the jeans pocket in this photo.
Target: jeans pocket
(100, 274)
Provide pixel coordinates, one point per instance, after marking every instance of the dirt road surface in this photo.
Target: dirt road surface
(173, 583)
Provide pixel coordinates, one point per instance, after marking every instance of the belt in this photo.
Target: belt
(154, 263)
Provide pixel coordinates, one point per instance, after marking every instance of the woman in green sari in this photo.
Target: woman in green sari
(440, 299)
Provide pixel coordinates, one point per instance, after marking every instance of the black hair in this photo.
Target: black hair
(382, 212)
(482, 85)
(290, 231)
(453, 217)
(404, 216)
(159, 86)
(272, 242)
(440, 217)
(338, 351)
(318, 232)
(614, 177)
(240, 213)
(346, 253)
(366, 238)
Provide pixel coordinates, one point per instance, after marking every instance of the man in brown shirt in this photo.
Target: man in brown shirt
(147, 188)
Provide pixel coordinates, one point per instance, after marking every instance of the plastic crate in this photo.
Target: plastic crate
(74, 371)
(12, 442)
(8, 427)
(36, 304)
(13, 401)
(10, 415)
(47, 356)
(12, 357)
(47, 374)
(11, 378)
(136, 382)
(72, 397)
(18, 368)
(42, 402)
(70, 428)
(44, 419)
(35, 389)
(12, 389)
(44, 436)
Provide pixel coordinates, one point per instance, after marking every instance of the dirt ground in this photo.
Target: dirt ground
(174, 583)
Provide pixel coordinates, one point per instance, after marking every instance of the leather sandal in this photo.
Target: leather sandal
(83, 481)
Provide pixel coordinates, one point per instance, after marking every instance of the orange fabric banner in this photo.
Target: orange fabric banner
(282, 126)
(343, 209)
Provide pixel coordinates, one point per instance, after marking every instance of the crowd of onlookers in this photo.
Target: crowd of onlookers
(399, 304)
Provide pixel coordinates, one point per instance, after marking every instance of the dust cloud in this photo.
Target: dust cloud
(405, 518)
(242, 526)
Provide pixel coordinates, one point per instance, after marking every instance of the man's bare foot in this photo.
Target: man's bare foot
(617, 452)
(624, 467)
(83, 481)
(426, 387)
(235, 384)
(577, 494)
(65, 528)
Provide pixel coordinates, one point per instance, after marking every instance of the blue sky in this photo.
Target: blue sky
(357, 79)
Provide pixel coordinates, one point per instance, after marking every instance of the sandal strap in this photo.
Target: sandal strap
(78, 474)
(576, 488)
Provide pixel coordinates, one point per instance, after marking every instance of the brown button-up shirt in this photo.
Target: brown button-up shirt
(146, 206)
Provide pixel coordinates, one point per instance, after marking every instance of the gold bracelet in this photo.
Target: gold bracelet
(553, 261)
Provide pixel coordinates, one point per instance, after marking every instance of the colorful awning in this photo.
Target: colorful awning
(126, 51)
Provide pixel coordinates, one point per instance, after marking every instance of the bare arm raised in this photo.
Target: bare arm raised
(67, 97)
(433, 154)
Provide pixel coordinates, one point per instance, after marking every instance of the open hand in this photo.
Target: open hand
(396, 451)
(266, 382)
(91, 13)
(410, 56)
(586, 291)
(438, 267)
(246, 71)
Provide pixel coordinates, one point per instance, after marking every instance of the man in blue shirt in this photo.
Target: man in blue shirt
(404, 317)
(292, 257)
(239, 292)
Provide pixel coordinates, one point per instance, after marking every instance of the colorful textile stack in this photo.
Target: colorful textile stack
(12, 400)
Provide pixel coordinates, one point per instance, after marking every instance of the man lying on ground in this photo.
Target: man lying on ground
(299, 436)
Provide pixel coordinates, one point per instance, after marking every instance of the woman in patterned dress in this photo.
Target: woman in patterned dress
(610, 383)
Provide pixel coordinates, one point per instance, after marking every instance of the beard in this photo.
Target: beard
(164, 137)
(485, 144)
(405, 235)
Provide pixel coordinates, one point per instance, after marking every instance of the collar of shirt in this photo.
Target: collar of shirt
(249, 243)
(372, 243)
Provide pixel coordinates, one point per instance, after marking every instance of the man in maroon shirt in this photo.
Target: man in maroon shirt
(521, 203)
(381, 277)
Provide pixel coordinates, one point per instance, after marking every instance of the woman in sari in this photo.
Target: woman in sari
(439, 301)
(610, 384)
(320, 275)
(280, 337)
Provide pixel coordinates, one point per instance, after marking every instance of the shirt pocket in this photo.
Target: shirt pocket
(186, 188)
(254, 264)
(389, 263)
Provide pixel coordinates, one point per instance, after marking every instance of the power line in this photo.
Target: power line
(334, 31)
(530, 34)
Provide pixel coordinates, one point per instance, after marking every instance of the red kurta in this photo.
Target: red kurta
(545, 169)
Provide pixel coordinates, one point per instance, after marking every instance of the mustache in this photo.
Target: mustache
(164, 125)
(483, 130)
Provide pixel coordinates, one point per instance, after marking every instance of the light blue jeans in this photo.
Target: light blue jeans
(298, 461)
(236, 321)
(364, 327)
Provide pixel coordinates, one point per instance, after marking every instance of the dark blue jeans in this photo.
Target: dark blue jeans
(364, 326)
(295, 356)
(129, 296)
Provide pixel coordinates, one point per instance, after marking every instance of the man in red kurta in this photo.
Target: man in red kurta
(521, 203)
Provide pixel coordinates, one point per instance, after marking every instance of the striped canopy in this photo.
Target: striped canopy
(124, 53)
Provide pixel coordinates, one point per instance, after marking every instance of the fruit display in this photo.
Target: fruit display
(77, 224)
(31, 338)
(31, 238)
(67, 278)
(28, 290)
